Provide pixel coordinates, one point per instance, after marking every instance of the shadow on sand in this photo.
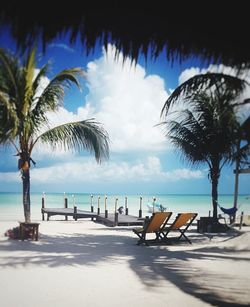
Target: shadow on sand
(151, 265)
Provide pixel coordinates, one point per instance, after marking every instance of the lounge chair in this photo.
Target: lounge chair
(155, 225)
(181, 224)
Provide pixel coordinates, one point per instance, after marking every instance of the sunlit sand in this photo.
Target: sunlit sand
(82, 263)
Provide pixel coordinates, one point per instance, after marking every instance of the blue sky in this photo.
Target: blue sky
(127, 100)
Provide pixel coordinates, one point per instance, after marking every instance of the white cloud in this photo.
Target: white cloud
(86, 170)
(188, 73)
(193, 71)
(62, 46)
(10, 177)
(126, 101)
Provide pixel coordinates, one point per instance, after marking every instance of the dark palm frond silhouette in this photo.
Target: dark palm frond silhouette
(207, 130)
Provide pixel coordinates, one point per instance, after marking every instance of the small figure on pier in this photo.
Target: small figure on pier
(120, 210)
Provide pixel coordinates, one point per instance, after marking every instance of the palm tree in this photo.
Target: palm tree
(208, 131)
(241, 156)
(24, 115)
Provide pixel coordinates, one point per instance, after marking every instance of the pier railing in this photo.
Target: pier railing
(118, 214)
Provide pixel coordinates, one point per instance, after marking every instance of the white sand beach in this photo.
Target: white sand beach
(82, 263)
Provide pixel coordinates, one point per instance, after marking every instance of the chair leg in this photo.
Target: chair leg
(140, 241)
(158, 238)
(164, 237)
(183, 235)
(142, 238)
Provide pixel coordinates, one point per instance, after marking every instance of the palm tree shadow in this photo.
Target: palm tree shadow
(177, 267)
(151, 264)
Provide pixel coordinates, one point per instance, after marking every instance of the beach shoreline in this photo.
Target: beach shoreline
(11, 207)
(83, 263)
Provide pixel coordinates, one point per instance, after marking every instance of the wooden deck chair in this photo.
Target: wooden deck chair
(155, 224)
(181, 223)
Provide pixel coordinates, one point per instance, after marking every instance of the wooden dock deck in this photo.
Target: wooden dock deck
(112, 219)
(122, 220)
(68, 212)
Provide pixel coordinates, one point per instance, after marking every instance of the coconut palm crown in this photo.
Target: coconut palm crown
(24, 111)
(207, 130)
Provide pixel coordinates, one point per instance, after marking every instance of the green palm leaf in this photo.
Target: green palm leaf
(23, 113)
(37, 81)
(9, 74)
(83, 135)
(53, 94)
(8, 118)
(29, 71)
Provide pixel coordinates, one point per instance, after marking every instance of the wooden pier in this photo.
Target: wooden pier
(109, 219)
(79, 214)
(119, 220)
(112, 219)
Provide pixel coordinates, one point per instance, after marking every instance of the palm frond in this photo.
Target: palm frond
(53, 94)
(8, 118)
(29, 71)
(245, 127)
(83, 135)
(204, 82)
(68, 76)
(10, 76)
(245, 153)
(208, 130)
(23, 111)
(41, 74)
(187, 146)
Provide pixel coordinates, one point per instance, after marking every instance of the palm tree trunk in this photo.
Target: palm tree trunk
(236, 182)
(215, 198)
(215, 174)
(26, 194)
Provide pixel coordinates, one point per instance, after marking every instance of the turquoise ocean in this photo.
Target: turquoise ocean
(11, 203)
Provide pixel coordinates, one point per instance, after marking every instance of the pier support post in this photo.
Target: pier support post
(116, 213)
(43, 206)
(116, 219)
(75, 208)
(105, 207)
(241, 219)
(154, 200)
(98, 206)
(91, 206)
(140, 210)
(66, 206)
(126, 205)
(75, 213)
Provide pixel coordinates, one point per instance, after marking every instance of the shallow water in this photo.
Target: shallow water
(11, 203)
